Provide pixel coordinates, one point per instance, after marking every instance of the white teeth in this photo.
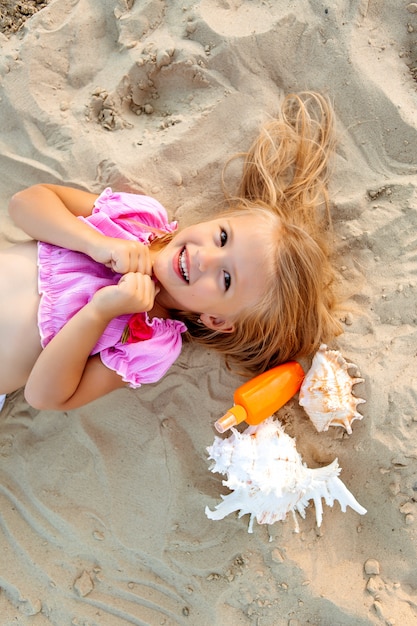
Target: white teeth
(183, 266)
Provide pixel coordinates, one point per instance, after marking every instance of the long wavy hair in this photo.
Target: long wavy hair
(284, 181)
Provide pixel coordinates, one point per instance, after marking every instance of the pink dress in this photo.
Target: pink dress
(68, 280)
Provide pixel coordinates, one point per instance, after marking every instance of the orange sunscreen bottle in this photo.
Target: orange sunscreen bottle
(262, 396)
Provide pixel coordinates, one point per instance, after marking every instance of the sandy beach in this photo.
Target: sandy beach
(102, 510)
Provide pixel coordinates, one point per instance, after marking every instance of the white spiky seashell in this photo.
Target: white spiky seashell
(326, 391)
(268, 478)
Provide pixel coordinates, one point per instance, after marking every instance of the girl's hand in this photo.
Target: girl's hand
(134, 293)
(121, 255)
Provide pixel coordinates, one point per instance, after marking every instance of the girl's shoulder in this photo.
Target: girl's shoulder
(146, 351)
(135, 213)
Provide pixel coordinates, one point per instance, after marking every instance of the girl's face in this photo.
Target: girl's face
(215, 269)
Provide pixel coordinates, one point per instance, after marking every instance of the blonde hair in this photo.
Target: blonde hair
(284, 180)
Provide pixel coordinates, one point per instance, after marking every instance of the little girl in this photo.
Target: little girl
(105, 296)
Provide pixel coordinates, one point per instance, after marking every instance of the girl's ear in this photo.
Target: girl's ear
(217, 323)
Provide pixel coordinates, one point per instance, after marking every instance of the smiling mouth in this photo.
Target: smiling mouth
(182, 265)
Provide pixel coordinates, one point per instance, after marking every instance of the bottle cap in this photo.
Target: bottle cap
(234, 416)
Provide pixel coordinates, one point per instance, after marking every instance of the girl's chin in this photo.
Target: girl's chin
(166, 300)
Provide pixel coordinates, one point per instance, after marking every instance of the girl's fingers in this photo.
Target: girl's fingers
(131, 256)
(122, 255)
(143, 261)
(139, 290)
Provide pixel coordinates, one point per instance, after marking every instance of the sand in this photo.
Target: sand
(102, 517)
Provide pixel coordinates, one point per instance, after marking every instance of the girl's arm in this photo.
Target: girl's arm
(50, 213)
(65, 376)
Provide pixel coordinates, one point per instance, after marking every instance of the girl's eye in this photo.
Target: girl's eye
(227, 280)
(223, 237)
(223, 242)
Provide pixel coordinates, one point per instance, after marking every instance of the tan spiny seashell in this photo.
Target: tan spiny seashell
(326, 392)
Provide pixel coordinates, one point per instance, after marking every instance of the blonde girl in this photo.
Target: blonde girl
(107, 290)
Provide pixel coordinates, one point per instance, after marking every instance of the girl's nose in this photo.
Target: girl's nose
(207, 258)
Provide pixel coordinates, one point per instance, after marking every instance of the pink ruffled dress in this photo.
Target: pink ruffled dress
(68, 280)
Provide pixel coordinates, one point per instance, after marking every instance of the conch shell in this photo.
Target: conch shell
(326, 391)
(268, 478)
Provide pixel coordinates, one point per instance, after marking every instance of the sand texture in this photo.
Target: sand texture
(102, 518)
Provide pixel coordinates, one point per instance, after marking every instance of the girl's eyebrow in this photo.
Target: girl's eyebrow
(229, 231)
